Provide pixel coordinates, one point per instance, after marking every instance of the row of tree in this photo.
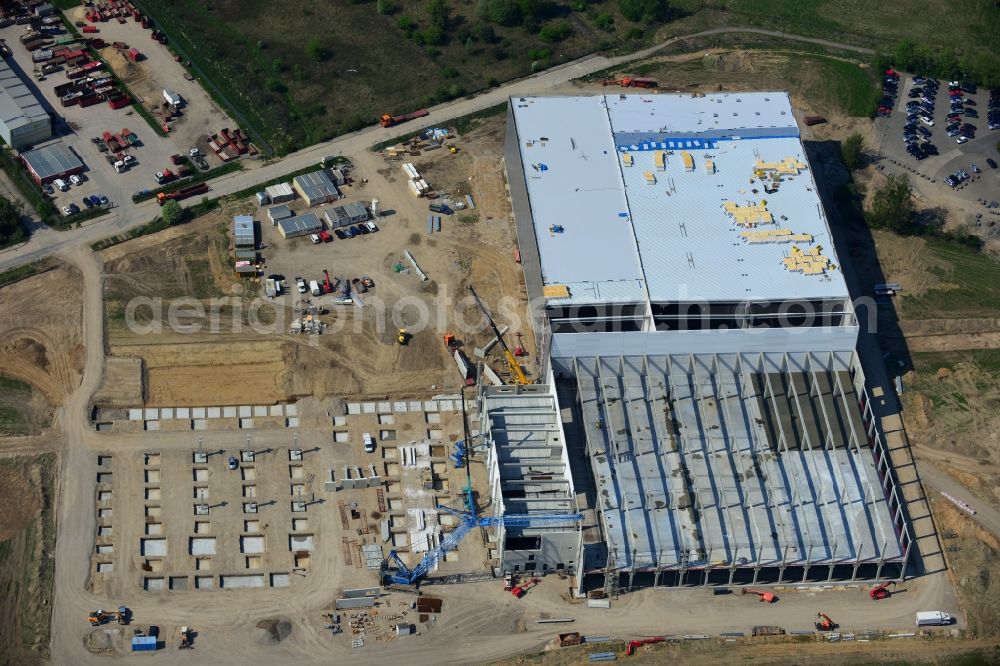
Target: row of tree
(11, 229)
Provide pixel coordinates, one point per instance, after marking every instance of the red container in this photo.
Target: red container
(89, 100)
(89, 29)
(133, 54)
(119, 102)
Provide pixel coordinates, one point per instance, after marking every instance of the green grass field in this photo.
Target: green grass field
(309, 70)
(14, 395)
(970, 285)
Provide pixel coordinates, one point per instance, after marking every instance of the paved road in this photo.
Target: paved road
(47, 241)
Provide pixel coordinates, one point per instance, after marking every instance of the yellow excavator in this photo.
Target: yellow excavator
(99, 617)
(402, 337)
(515, 368)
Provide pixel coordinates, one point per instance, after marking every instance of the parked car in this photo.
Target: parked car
(991, 162)
(962, 139)
(75, 180)
(975, 168)
(441, 208)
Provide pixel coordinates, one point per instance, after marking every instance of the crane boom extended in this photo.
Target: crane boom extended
(515, 368)
(468, 521)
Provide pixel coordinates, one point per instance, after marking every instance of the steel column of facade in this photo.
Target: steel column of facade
(783, 440)
(829, 575)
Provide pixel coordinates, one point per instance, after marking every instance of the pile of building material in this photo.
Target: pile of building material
(228, 144)
(415, 181)
(307, 325)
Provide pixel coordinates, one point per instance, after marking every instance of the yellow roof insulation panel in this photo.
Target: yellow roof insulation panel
(627, 159)
(650, 178)
(660, 159)
(555, 291)
(688, 160)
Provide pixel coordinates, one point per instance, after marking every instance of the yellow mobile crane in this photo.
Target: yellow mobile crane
(515, 368)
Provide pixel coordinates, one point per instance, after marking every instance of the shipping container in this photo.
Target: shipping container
(119, 102)
(143, 643)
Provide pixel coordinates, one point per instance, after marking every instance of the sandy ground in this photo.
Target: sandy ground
(40, 338)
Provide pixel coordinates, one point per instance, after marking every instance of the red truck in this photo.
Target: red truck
(183, 193)
(389, 121)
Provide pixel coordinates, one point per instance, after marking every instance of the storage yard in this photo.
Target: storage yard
(93, 116)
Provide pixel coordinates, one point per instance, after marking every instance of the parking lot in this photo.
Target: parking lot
(77, 126)
(982, 185)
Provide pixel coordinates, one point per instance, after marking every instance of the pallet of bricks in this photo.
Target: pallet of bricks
(228, 144)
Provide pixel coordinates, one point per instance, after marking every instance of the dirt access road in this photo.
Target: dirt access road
(47, 241)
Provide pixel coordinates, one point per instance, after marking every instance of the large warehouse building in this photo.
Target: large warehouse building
(705, 408)
(23, 120)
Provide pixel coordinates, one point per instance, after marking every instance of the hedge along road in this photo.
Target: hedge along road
(46, 241)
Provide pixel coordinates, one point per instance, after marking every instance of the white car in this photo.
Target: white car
(300, 284)
(927, 121)
(129, 160)
(194, 152)
(67, 211)
(961, 139)
(369, 443)
(60, 184)
(315, 239)
(76, 180)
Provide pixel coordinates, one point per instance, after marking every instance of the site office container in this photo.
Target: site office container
(119, 102)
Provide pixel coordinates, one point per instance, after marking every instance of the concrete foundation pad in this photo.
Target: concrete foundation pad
(252, 544)
(167, 413)
(236, 582)
(245, 411)
(182, 413)
(152, 425)
(275, 410)
(198, 412)
(214, 413)
(151, 413)
(354, 408)
(229, 412)
(292, 422)
(279, 580)
(430, 406)
(153, 547)
(135, 415)
(368, 408)
(202, 546)
(399, 406)
(260, 410)
(204, 582)
(291, 410)
(414, 406)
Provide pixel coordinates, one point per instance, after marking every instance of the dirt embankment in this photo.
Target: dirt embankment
(41, 320)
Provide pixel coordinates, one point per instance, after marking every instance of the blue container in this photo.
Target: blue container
(144, 644)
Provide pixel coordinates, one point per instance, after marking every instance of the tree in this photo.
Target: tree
(11, 229)
(644, 11)
(171, 213)
(502, 12)
(892, 206)
(852, 151)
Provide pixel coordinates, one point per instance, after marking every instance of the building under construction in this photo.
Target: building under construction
(705, 409)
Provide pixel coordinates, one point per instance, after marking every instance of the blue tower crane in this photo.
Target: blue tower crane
(468, 521)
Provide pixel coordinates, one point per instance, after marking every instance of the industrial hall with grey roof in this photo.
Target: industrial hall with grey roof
(712, 422)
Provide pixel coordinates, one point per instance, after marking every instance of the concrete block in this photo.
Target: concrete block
(229, 412)
(135, 415)
(447, 405)
(292, 422)
(260, 410)
(368, 408)
(414, 406)
(198, 413)
(291, 410)
(182, 413)
(384, 407)
(166, 413)
(399, 406)
(152, 425)
(199, 424)
(151, 413)
(246, 423)
(245, 411)
(354, 408)
(276, 410)
(430, 406)
(214, 413)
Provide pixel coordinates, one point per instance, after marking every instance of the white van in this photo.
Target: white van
(314, 288)
(932, 618)
(60, 184)
(369, 443)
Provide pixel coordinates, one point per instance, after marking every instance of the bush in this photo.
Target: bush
(385, 7)
(434, 36)
(852, 151)
(406, 24)
(486, 33)
(501, 12)
(604, 22)
(439, 11)
(644, 11)
(316, 50)
(449, 73)
(555, 32)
